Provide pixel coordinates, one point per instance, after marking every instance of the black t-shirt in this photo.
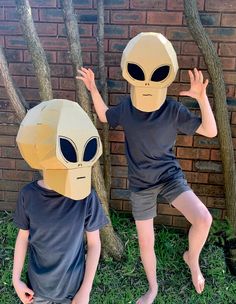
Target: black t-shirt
(56, 227)
(149, 140)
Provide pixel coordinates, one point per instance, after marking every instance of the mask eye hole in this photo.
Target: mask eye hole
(135, 71)
(68, 150)
(160, 73)
(90, 149)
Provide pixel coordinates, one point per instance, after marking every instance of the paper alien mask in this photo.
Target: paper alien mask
(150, 65)
(58, 138)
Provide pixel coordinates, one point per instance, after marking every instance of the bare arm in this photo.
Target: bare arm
(87, 76)
(198, 91)
(24, 293)
(94, 250)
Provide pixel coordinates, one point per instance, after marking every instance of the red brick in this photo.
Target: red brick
(10, 152)
(114, 4)
(117, 45)
(11, 196)
(136, 29)
(178, 33)
(6, 163)
(14, 55)
(46, 29)
(118, 182)
(6, 106)
(70, 95)
(64, 57)
(227, 34)
(208, 190)
(2, 195)
(230, 90)
(56, 44)
(179, 5)
(184, 141)
(175, 88)
(8, 129)
(21, 69)
(1, 13)
(196, 177)
(110, 59)
(215, 202)
(90, 16)
(115, 73)
(2, 42)
(7, 28)
(180, 221)
(85, 30)
(117, 136)
(7, 141)
(204, 142)
(233, 119)
(118, 171)
(116, 204)
(67, 84)
(193, 153)
(216, 179)
(7, 206)
(167, 209)
(50, 15)
(185, 164)
(80, 3)
(167, 18)
(118, 148)
(120, 194)
(128, 17)
(163, 220)
(127, 206)
(11, 14)
(228, 20)
(227, 63)
(21, 164)
(51, 56)
(31, 94)
(230, 77)
(118, 160)
(43, 3)
(58, 70)
(190, 48)
(17, 175)
(113, 31)
(215, 155)
(8, 185)
(227, 49)
(148, 4)
(233, 131)
(8, 117)
(220, 6)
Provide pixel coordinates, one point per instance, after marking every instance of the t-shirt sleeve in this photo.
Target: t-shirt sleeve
(95, 216)
(20, 218)
(113, 116)
(187, 122)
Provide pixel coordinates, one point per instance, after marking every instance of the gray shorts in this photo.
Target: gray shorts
(144, 202)
(38, 300)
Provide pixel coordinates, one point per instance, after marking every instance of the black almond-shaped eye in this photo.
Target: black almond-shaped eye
(135, 71)
(68, 150)
(90, 149)
(160, 73)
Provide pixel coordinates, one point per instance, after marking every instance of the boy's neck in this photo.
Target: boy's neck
(42, 184)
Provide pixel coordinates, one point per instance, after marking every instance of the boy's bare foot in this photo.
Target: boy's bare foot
(148, 297)
(197, 277)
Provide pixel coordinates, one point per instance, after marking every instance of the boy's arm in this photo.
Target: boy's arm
(198, 91)
(87, 76)
(93, 254)
(24, 293)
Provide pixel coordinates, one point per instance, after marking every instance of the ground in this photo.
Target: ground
(123, 282)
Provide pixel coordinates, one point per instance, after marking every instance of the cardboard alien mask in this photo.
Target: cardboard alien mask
(59, 138)
(150, 65)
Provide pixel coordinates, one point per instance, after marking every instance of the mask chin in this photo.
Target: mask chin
(147, 99)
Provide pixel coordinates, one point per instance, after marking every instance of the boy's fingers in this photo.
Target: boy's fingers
(201, 77)
(196, 74)
(29, 291)
(191, 76)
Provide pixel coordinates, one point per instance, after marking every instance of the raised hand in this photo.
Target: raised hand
(87, 76)
(198, 86)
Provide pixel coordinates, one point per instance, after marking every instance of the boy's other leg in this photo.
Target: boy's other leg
(146, 241)
(200, 218)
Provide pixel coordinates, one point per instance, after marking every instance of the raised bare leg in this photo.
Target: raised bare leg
(146, 240)
(200, 218)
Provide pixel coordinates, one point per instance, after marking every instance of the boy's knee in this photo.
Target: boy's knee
(205, 218)
(146, 243)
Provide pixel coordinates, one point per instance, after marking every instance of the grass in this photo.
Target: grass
(123, 282)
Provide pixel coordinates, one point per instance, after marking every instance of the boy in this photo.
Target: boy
(150, 124)
(59, 135)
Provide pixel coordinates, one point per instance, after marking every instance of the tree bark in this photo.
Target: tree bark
(37, 53)
(112, 245)
(224, 132)
(17, 100)
(104, 93)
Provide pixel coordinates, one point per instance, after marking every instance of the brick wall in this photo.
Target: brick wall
(199, 156)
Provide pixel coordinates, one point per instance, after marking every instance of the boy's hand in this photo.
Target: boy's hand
(198, 87)
(87, 76)
(82, 297)
(24, 293)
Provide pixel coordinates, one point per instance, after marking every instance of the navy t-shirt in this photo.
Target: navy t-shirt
(149, 140)
(56, 227)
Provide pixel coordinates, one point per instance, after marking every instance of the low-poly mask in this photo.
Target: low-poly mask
(58, 137)
(149, 64)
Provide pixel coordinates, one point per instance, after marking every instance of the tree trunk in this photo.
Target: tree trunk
(112, 245)
(224, 132)
(104, 93)
(37, 53)
(17, 100)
